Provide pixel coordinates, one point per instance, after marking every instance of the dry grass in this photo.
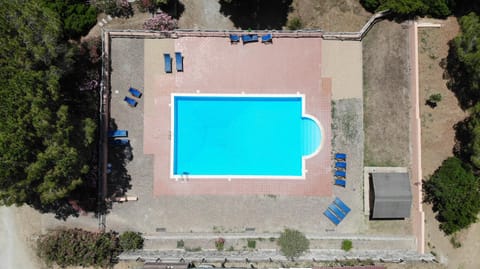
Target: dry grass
(386, 95)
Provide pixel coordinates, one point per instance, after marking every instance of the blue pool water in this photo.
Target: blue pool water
(241, 136)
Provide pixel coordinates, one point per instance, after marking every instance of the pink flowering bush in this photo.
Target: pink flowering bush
(160, 22)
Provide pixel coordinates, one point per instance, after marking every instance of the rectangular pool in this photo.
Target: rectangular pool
(241, 136)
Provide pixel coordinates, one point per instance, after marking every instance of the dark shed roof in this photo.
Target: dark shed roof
(392, 195)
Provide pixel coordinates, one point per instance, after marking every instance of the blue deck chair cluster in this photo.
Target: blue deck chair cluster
(117, 133)
(249, 38)
(179, 61)
(340, 169)
(336, 211)
(267, 38)
(168, 62)
(135, 93)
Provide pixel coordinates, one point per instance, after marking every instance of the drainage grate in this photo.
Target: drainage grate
(250, 229)
(162, 229)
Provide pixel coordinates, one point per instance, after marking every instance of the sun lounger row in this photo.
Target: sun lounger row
(168, 62)
(340, 169)
(130, 101)
(336, 211)
(248, 38)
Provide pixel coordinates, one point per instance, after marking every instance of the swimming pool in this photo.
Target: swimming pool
(241, 136)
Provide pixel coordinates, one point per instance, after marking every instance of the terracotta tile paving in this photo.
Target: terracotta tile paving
(213, 65)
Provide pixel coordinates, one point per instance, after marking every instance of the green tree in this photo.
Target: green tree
(453, 191)
(293, 243)
(44, 152)
(463, 64)
(77, 16)
(131, 240)
(409, 8)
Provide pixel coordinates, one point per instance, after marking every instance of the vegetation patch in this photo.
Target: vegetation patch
(347, 245)
(293, 243)
(453, 190)
(251, 243)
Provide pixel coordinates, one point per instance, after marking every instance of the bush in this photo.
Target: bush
(180, 244)
(76, 247)
(131, 240)
(294, 23)
(220, 243)
(433, 100)
(150, 5)
(453, 191)
(115, 8)
(251, 243)
(160, 22)
(293, 243)
(347, 245)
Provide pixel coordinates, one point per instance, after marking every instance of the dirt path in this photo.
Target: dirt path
(14, 252)
(203, 14)
(438, 139)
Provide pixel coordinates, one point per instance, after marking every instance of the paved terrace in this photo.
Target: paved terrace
(215, 66)
(139, 63)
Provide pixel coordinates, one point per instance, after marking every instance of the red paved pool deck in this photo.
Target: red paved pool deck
(213, 65)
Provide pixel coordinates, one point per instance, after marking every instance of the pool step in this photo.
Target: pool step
(311, 136)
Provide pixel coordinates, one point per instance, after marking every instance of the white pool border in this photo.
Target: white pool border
(186, 177)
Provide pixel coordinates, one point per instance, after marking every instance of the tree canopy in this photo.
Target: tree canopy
(44, 148)
(408, 8)
(453, 190)
(76, 16)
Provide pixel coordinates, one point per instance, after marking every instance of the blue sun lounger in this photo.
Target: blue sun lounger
(266, 38)
(120, 142)
(130, 101)
(337, 211)
(135, 92)
(342, 165)
(118, 133)
(168, 63)
(339, 173)
(234, 38)
(179, 61)
(340, 182)
(249, 38)
(342, 205)
(341, 156)
(331, 217)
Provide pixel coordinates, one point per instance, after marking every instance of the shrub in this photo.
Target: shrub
(453, 191)
(150, 5)
(455, 242)
(433, 99)
(115, 8)
(251, 243)
(293, 243)
(131, 240)
(294, 23)
(180, 244)
(220, 243)
(160, 22)
(76, 247)
(347, 245)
